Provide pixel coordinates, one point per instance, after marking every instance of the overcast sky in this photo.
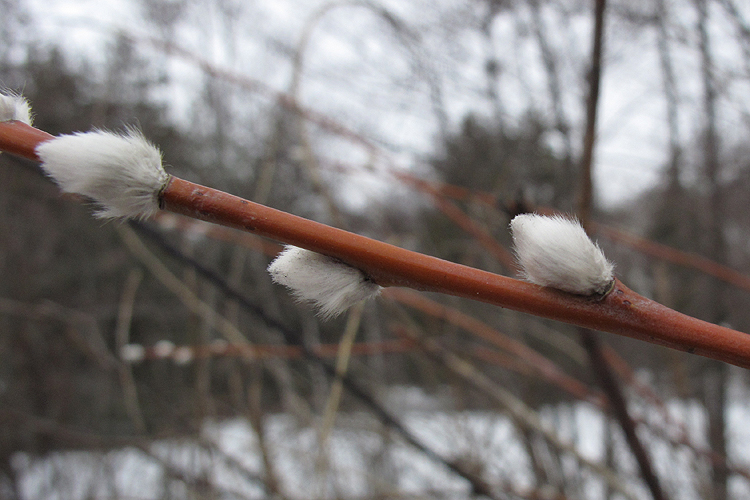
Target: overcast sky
(360, 72)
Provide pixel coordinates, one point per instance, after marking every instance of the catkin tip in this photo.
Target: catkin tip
(327, 283)
(14, 107)
(556, 252)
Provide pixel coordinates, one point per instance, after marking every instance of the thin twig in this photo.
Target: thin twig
(535, 362)
(675, 256)
(517, 409)
(122, 333)
(620, 409)
(354, 388)
(177, 287)
(342, 365)
(343, 356)
(638, 243)
(92, 345)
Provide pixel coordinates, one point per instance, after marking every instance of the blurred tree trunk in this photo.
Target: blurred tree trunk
(715, 377)
(670, 95)
(602, 372)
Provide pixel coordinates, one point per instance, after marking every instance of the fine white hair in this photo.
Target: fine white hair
(132, 353)
(164, 348)
(556, 252)
(121, 172)
(328, 283)
(183, 355)
(14, 107)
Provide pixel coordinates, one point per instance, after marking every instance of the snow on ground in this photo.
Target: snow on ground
(361, 457)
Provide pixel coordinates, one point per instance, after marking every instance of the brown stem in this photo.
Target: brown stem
(675, 256)
(21, 140)
(524, 416)
(585, 194)
(623, 311)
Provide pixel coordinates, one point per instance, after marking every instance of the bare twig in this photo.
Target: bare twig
(517, 409)
(620, 409)
(523, 354)
(342, 365)
(640, 244)
(92, 345)
(343, 356)
(122, 333)
(354, 388)
(177, 287)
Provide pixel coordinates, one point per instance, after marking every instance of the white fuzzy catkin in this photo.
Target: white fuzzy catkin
(121, 172)
(163, 349)
(326, 282)
(182, 355)
(132, 353)
(14, 107)
(556, 252)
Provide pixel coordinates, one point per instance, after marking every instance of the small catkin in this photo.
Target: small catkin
(183, 355)
(14, 107)
(328, 283)
(123, 173)
(132, 353)
(163, 349)
(556, 252)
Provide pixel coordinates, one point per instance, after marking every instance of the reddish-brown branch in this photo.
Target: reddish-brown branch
(21, 140)
(623, 311)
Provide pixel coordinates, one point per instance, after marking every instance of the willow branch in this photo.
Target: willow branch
(622, 312)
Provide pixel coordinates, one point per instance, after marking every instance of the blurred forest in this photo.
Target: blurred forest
(156, 360)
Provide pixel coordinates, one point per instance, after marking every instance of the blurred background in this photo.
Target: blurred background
(156, 360)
